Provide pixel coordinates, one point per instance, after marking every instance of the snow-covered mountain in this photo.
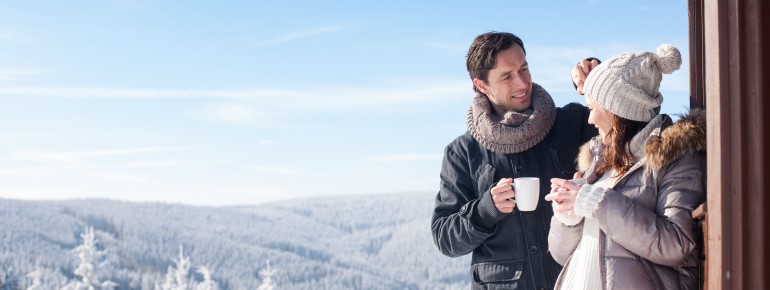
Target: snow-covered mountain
(344, 242)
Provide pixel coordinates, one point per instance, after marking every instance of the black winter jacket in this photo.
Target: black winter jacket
(510, 251)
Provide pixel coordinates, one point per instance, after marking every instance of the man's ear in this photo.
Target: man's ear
(480, 85)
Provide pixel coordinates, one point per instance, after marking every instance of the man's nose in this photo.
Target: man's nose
(521, 81)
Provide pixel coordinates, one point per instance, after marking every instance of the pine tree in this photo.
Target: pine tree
(11, 282)
(91, 260)
(176, 277)
(267, 278)
(36, 277)
(208, 283)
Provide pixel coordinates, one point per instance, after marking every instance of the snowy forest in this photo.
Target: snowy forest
(342, 242)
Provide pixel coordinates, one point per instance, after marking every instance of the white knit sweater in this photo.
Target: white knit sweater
(583, 271)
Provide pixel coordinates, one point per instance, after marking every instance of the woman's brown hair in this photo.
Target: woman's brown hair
(616, 155)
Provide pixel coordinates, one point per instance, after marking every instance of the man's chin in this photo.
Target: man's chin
(523, 106)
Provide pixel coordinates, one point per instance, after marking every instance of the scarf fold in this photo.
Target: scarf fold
(637, 144)
(515, 131)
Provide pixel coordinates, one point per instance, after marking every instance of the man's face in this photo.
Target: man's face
(509, 85)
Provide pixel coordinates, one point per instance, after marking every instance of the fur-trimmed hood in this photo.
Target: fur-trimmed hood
(663, 146)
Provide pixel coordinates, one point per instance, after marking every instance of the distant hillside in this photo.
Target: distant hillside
(347, 242)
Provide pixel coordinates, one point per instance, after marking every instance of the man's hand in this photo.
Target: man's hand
(502, 195)
(580, 72)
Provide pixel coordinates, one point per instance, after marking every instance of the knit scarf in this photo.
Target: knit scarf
(638, 142)
(515, 131)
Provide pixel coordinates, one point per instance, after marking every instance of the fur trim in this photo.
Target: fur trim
(584, 158)
(686, 135)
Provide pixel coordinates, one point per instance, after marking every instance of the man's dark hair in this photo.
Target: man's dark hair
(483, 52)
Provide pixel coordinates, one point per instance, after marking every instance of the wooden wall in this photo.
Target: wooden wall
(730, 65)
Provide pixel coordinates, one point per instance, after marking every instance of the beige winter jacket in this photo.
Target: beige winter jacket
(647, 233)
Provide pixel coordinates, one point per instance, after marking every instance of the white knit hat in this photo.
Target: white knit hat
(628, 84)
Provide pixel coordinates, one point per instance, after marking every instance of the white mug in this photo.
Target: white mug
(527, 191)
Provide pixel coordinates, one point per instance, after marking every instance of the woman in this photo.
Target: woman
(629, 225)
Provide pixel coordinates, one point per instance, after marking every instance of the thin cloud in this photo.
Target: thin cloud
(27, 172)
(10, 36)
(228, 113)
(138, 93)
(455, 47)
(326, 98)
(302, 34)
(342, 98)
(32, 192)
(266, 142)
(276, 170)
(146, 164)
(119, 177)
(404, 157)
(79, 156)
(15, 74)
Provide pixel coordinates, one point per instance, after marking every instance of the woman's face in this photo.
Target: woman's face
(600, 118)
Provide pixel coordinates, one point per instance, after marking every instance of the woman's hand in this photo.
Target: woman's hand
(563, 194)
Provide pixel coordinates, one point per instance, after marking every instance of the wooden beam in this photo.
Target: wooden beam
(737, 73)
(697, 65)
(718, 122)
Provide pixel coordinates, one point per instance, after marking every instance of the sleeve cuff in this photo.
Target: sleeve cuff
(567, 218)
(579, 181)
(489, 216)
(587, 200)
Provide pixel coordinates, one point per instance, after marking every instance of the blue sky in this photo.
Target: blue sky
(245, 102)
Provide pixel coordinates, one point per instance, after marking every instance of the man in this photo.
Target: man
(514, 130)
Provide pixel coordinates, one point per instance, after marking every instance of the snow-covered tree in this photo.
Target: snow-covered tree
(176, 277)
(208, 283)
(37, 279)
(91, 262)
(43, 278)
(10, 282)
(267, 278)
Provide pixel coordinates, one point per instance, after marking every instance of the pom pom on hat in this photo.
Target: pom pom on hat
(628, 84)
(669, 58)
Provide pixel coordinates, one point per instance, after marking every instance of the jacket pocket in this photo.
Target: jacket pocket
(506, 274)
(485, 178)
